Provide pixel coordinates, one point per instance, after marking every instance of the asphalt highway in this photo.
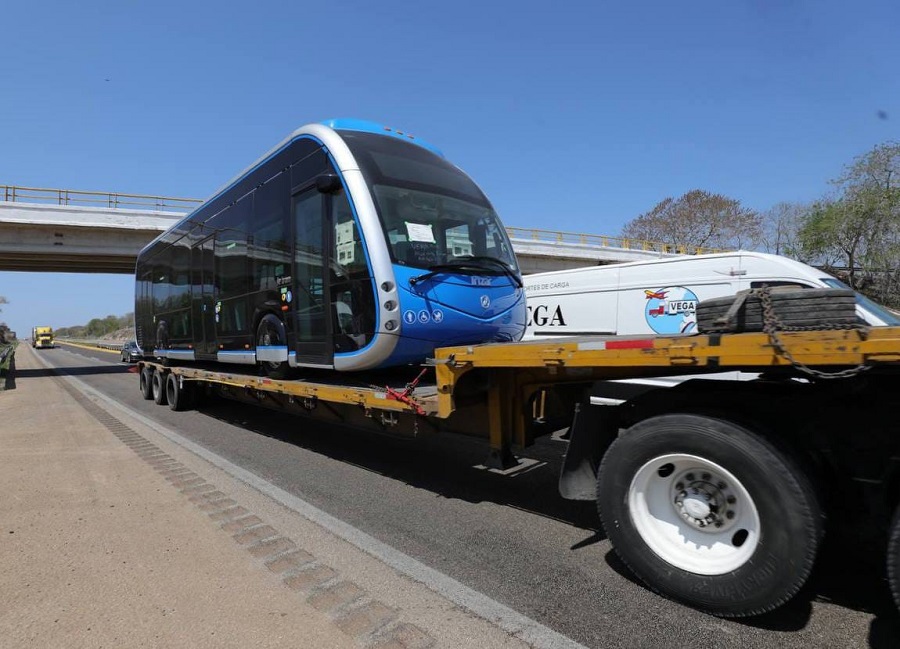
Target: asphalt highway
(511, 538)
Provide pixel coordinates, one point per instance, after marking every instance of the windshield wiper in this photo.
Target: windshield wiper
(469, 263)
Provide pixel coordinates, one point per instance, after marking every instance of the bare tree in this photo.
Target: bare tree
(781, 225)
(698, 219)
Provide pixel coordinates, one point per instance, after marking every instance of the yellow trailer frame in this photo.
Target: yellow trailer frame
(509, 376)
(517, 371)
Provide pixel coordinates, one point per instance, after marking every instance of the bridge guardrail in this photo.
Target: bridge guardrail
(13, 193)
(603, 241)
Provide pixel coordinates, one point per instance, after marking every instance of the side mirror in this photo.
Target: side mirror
(328, 184)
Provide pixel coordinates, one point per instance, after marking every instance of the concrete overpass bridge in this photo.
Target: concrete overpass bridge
(57, 230)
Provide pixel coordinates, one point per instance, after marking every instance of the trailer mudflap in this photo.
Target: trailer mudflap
(593, 429)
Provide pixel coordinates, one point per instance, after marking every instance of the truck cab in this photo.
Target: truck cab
(42, 337)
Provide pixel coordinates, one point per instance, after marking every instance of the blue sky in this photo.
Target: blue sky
(574, 115)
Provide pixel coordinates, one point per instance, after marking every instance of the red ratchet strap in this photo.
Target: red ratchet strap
(404, 397)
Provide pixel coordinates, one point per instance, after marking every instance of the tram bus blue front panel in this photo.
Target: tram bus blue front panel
(485, 308)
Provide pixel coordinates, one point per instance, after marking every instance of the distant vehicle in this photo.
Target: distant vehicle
(131, 353)
(349, 246)
(42, 337)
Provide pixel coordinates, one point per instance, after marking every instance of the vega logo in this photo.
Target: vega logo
(671, 310)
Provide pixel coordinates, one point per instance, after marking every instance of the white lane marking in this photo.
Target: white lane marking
(513, 622)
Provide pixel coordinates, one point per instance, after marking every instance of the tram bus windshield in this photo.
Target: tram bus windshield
(431, 212)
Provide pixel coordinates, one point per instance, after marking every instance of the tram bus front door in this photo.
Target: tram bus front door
(310, 295)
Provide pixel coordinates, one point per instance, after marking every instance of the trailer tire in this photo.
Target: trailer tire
(146, 381)
(178, 395)
(709, 513)
(893, 558)
(271, 333)
(158, 384)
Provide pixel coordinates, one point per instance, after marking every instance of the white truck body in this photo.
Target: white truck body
(660, 296)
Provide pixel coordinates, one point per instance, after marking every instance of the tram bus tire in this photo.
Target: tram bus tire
(893, 558)
(707, 512)
(178, 394)
(158, 383)
(146, 381)
(271, 333)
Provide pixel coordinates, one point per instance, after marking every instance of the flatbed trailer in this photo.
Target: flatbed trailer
(714, 493)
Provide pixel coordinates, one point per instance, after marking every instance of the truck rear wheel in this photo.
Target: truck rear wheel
(707, 512)
(146, 379)
(158, 385)
(177, 394)
(893, 558)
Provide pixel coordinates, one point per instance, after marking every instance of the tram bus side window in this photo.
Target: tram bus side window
(311, 163)
(181, 275)
(231, 257)
(270, 251)
(161, 282)
(180, 292)
(231, 247)
(144, 305)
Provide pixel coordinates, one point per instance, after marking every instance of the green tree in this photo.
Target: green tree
(857, 232)
(698, 219)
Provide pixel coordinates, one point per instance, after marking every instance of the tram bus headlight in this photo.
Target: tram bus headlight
(387, 286)
(390, 325)
(390, 305)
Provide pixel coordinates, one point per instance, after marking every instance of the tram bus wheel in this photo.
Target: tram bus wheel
(271, 333)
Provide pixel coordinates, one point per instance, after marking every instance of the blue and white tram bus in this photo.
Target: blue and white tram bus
(349, 246)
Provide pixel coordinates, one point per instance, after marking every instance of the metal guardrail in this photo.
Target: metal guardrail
(13, 193)
(603, 241)
(7, 354)
(99, 344)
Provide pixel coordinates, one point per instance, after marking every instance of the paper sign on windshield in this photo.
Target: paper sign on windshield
(419, 232)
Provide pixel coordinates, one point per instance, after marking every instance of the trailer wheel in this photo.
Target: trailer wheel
(146, 379)
(178, 395)
(707, 512)
(271, 333)
(157, 382)
(893, 558)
